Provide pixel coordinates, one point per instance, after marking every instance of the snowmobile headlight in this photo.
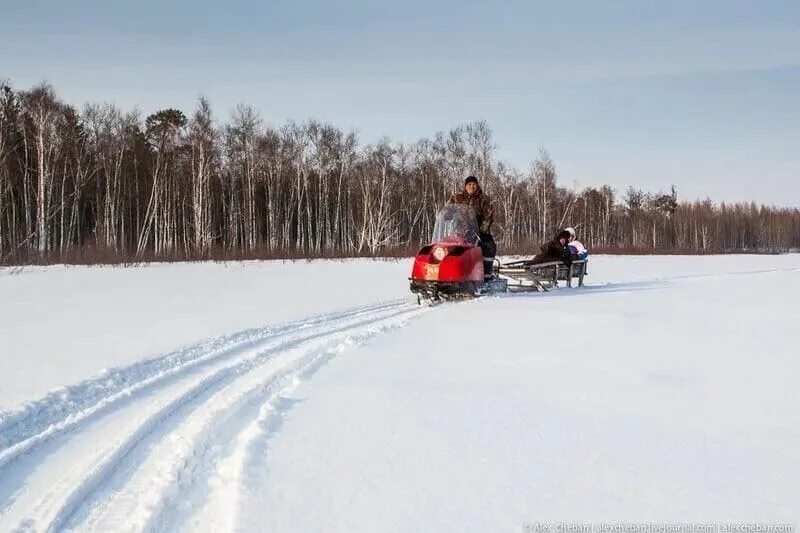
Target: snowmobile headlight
(439, 253)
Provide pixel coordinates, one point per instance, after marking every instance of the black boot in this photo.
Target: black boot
(488, 264)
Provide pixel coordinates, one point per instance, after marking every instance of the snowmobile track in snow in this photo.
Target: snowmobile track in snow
(117, 449)
(36, 421)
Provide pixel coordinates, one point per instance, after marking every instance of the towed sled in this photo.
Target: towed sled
(529, 276)
(452, 265)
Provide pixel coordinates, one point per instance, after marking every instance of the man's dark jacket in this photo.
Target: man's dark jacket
(482, 206)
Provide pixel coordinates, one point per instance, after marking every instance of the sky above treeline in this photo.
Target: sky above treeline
(701, 94)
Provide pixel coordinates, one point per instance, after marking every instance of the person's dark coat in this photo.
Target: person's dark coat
(553, 251)
(482, 206)
(484, 214)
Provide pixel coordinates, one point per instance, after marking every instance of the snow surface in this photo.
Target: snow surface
(310, 396)
(59, 325)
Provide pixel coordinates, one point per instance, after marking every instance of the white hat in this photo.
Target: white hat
(571, 231)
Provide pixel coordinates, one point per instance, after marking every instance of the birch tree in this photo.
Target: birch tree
(242, 134)
(41, 109)
(202, 139)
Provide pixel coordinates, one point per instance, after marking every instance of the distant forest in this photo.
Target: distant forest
(102, 184)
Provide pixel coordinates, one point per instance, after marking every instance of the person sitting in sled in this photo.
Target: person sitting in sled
(473, 196)
(576, 248)
(555, 250)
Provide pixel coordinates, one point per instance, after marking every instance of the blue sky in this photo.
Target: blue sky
(702, 94)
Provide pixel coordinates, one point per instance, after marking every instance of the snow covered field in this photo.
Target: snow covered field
(310, 396)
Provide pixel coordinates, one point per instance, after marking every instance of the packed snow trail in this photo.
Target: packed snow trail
(109, 452)
(61, 324)
(40, 419)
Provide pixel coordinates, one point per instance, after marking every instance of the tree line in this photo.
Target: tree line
(105, 183)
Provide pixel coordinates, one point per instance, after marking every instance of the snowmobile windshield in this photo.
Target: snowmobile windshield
(456, 223)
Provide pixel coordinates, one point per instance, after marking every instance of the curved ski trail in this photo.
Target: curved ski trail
(37, 421)
(121, 461)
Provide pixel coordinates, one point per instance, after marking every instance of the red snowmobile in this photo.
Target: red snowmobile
(452, 265)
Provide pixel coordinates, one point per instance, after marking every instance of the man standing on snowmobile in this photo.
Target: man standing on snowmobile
(473, 196)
